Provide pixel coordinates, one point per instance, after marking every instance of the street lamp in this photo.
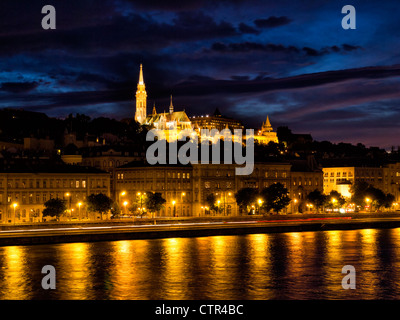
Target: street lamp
(141, 202)
(121, 194)
(182, 195)
(368, 200)
(14, 205)
(218, 202)
(259, 204)
(79, 206)
(125, 204)
(173, 204)
(69, 203)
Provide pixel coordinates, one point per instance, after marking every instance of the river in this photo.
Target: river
(295, 265)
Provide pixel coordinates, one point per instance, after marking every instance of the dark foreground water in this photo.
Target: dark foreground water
(303, 265)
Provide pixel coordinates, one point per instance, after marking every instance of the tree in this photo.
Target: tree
(99, 203)
(211, 201)
(154, 202)
(358, 192)
(245, 197)
(377, 196)
(389, 199)
(115, 210)
(317, 198)
(363, 193)
(54, 207)
(275, 197)
(334, 200)
(138, 204)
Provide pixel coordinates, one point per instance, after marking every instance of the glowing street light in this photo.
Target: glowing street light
(368, 200)
(69, 203)
(260, 202)
(79, 206)
(125, 204)
(14, 205)
(173, 204)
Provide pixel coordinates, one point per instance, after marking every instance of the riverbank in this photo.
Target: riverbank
(171, 228)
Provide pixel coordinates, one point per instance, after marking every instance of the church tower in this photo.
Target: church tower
(141, 99)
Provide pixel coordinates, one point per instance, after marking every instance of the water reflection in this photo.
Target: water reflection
(298, 265)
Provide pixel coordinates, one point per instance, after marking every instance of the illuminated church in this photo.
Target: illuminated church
(172, 123)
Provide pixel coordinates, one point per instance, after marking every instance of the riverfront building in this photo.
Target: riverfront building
(385, 178)
(186, 187)
(24, 188)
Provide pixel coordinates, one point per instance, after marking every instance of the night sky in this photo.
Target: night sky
(291, 60)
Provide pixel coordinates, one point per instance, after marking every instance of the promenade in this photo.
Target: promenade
(147, 228)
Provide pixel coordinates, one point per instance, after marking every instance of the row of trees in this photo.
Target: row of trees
(363, 194)
(275, 197)
(102, 204)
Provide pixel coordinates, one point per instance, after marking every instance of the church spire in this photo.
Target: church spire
(171, 106)
(141, 99)
(141, 82)
(154, 109)
(267, 125)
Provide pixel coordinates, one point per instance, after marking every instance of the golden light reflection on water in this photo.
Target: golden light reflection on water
(298, 265)
(74, 258)
(175, 263)
(13, 269)
(126, 274)
(260, 264)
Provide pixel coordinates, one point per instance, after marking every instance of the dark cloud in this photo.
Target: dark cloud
(247, 46)
(18, 87)
(121, 33)
(252, 46)
(295, 82)
(244, 28)
(349, 47)
(272, 22)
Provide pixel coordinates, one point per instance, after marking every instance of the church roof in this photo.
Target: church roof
(178, 116)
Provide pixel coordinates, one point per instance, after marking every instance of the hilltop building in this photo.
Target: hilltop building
(171, 123)
(266, 134)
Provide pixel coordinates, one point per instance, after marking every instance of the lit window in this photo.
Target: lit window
(77, 184)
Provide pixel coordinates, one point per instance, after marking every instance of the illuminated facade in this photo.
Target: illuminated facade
(386, 178)
(171, 123)
(141, 99)
(186, 187)
(266, 134)
(24, 191)
(341, 179)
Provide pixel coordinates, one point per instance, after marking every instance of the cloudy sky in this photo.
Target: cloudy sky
(291, 60)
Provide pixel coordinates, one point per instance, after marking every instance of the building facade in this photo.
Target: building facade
(185, 188)
(266, 134)
(385, 178)
(341, 179)
(23, 191)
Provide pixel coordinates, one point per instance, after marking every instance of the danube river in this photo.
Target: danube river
(296, 265)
